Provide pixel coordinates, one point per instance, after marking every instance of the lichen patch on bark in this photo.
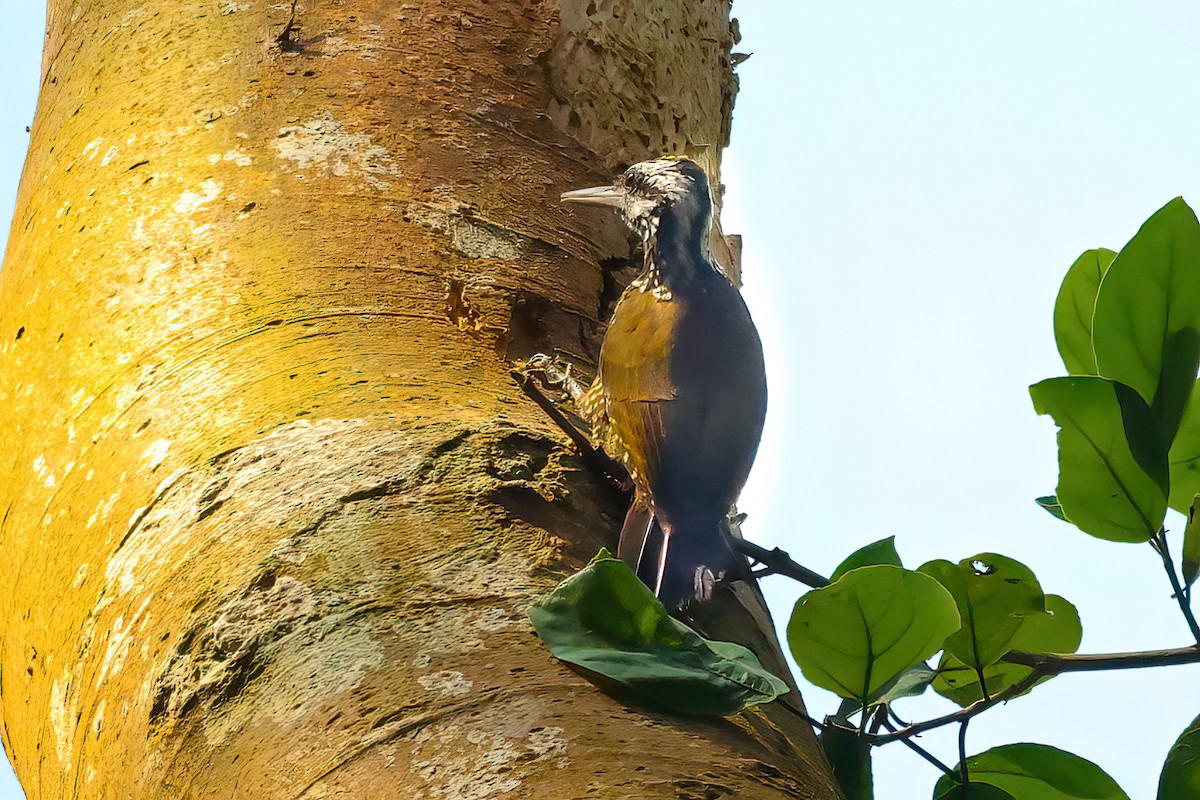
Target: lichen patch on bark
(323, 147)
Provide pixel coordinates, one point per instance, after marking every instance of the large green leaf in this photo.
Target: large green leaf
(1184, 458)
(857, 635)
(1057, 630)
(1112, 468)
(1180, 776)
(1038, 772)
(1146, 326)
(606, 621)
(995, 594)
(973, 791)
(1074, 307)
(881, 552)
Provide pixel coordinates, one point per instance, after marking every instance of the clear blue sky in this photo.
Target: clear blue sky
(912, 180)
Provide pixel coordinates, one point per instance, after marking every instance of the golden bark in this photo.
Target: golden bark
(272, 506)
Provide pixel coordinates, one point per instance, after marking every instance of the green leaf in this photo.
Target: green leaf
(974, 791)
(881, 552)
(850, 757)
(855, 636)
(1038, 772)
(1050, 503)
(1191, 545)
(994, 594)
(1112, 469)
(604, 620)
(1146, 326)
(1180, 776)
(1057, 630)
(1184, 458)
(911, 683)
(1074, 307)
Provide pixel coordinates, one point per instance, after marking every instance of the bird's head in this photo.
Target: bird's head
(651, 190)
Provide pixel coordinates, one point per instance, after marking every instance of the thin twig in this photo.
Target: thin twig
(972, 710)
(1180, 596)
(964, 777)
(923, 753)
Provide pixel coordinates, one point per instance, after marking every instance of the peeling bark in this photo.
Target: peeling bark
(272, 507)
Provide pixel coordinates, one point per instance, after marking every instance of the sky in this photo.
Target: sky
(912, 180)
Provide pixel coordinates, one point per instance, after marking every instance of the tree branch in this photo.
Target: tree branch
(1056, 664)
(780, 563)
(1046, 665)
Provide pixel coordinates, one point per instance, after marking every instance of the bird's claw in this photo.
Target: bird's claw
(553, 373)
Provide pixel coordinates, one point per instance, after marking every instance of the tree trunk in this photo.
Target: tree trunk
(273, 508)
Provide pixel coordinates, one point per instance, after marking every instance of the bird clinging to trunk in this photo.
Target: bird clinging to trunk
(683, 382)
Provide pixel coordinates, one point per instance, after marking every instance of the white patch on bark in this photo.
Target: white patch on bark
(547, 741)
(44, 472)
(340, 658)
(98, 719)
(470, 235)
(446, 683)
(156, 453)
(335, 45)
(488, 755)
(120, 639)
(63, 708)
(239, 157)
(190, 202)
(323, 146)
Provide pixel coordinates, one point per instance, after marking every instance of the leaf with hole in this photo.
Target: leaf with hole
(1146, 324)
(605, 621)
(1057, 630)
(995, 595)
(1073, 310)
(881, 552)
(1180, 775)
(854, 637)
(1112, 468)
(1037, 772)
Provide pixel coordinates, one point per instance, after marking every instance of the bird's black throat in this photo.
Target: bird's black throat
(676, 245)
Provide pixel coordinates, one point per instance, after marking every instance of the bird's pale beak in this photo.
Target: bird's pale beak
(598, 196)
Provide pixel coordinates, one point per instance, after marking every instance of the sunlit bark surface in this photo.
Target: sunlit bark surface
(272, 507)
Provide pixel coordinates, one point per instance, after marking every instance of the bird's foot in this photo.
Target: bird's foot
(553, 373)
(703, 583)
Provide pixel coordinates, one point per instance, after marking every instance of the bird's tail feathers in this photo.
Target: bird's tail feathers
(680, 562)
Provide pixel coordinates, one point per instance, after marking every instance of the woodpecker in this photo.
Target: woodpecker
(683, 383)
